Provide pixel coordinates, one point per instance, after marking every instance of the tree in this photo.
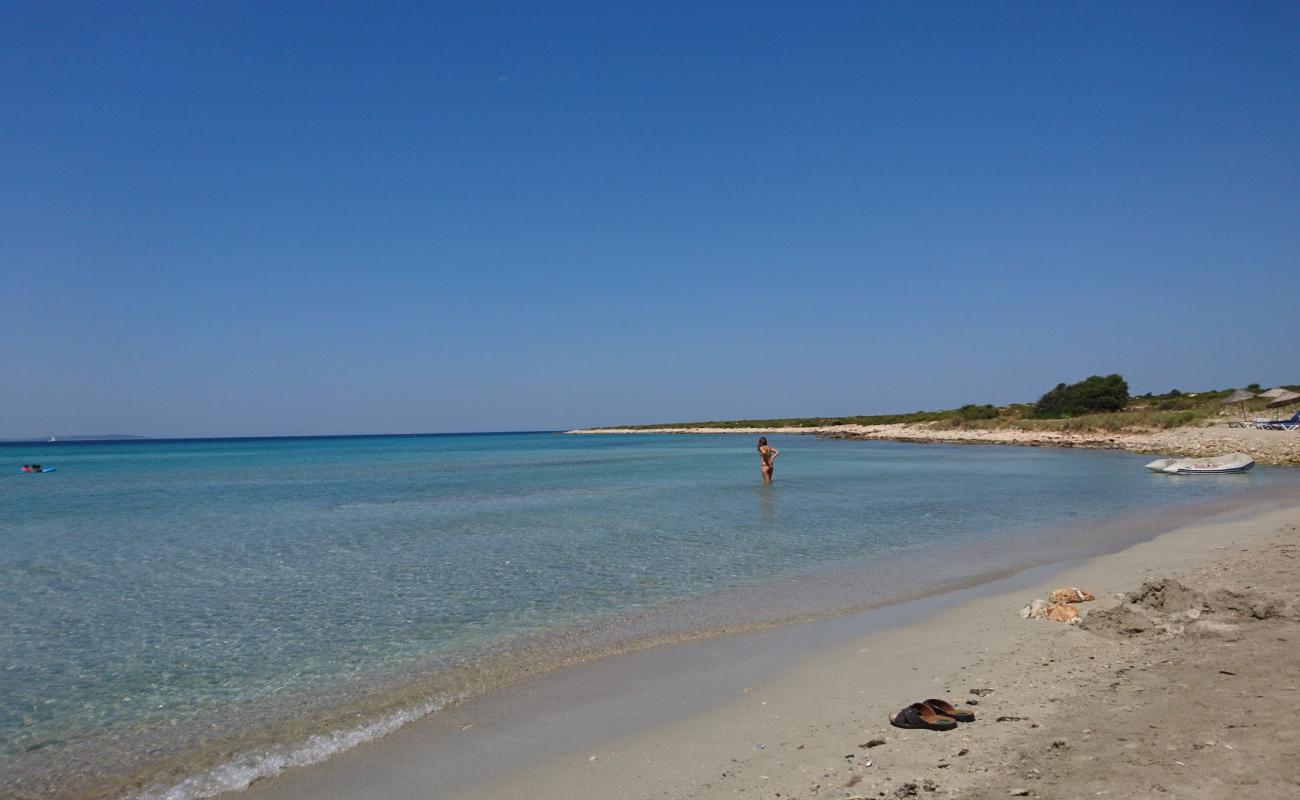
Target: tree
(1091, 395)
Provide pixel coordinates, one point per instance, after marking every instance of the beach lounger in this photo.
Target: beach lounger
(1277, 424)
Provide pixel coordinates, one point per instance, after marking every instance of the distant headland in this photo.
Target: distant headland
(1097, 413)
(76, 437)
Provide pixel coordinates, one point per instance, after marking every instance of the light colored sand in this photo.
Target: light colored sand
(1265, 446)
(1132, 714)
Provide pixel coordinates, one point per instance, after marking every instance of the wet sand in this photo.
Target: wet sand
(1187, 707)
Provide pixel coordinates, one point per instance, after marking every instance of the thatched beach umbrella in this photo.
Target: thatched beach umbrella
(1284, 399)
(1239, 396)
(1273, 394)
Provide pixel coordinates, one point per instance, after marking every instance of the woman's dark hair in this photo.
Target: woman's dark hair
(762, 441)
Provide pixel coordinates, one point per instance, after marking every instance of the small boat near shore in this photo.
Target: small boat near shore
(1218, 465)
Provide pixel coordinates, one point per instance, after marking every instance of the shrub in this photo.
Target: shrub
(970, 411)
(1087, 396)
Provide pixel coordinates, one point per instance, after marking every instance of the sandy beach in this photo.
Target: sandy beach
(1182, 681)
(1265, 446)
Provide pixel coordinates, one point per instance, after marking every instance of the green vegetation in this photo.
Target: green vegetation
(1091, 395)
(1146, 412)
(972, 412)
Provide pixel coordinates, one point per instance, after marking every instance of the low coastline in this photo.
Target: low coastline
(1281, 448)
(798, 732)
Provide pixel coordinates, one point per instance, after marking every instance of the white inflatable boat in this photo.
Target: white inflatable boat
(1219, 465)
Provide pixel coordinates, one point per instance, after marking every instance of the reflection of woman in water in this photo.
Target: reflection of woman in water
(768, 454)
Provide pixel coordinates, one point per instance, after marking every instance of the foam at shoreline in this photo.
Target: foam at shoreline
(243, 771)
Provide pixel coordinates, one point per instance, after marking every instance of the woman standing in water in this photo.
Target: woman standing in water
(768, 455)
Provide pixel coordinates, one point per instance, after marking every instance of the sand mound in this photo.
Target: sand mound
(1251, 604)
(1168, 597)
(1167, 607)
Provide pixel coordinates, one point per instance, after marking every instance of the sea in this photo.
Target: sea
(181, 618)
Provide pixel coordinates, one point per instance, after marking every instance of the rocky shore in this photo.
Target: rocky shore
(1265, 446)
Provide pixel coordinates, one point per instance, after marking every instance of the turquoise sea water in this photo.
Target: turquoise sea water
(197, 608)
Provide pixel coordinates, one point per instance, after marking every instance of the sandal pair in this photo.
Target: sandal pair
(932, 714)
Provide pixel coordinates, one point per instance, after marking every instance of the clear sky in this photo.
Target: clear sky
(292, 218)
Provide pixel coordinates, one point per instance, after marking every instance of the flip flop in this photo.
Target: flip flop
(919, 715)
(947, 709)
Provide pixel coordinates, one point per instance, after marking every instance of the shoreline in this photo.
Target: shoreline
(1278, 448)
(822, 691)
(262, 754)
(1061, 693)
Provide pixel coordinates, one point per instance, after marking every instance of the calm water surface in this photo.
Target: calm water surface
(157, 597)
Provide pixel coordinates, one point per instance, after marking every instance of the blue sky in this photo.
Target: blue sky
(254, 219)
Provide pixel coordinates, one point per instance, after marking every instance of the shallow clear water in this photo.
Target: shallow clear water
(155, 595)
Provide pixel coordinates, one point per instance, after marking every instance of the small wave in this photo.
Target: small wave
(239, 773)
